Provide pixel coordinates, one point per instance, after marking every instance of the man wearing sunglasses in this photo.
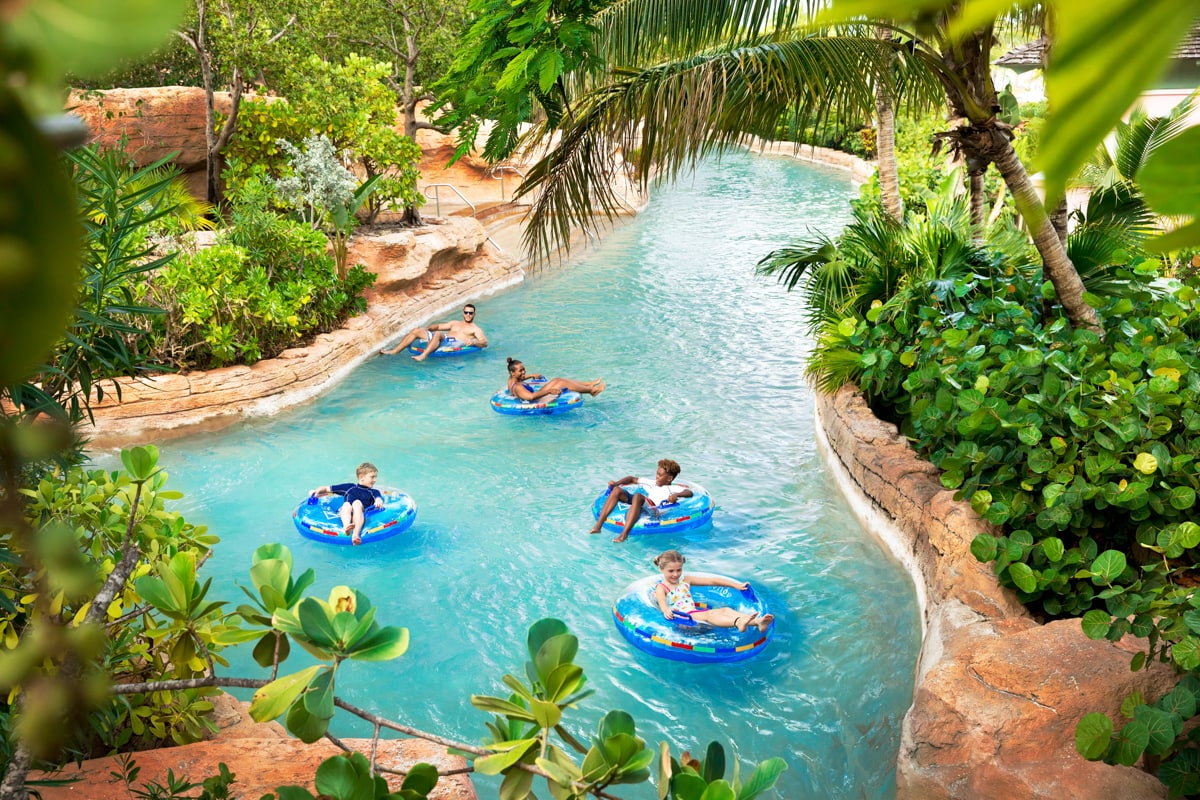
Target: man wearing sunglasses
(463, 332)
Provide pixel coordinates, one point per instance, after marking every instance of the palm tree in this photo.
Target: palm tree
(688, 81)
(885, 146)
(895, 268)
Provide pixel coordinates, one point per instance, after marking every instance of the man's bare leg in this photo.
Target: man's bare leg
(435, 341)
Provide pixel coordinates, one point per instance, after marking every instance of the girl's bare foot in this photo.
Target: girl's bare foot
(743, 622)
(621, 538)
(419, 358)
(764, 622)
(598, 387)
(595, 529)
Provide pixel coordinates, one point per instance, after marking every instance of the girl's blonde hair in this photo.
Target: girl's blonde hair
(669, 557)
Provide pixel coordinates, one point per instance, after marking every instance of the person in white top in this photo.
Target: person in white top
(661, 490)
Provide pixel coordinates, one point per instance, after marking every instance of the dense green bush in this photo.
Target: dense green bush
(267, 282)
(82, 518)
(1082, 449)
(348, 103)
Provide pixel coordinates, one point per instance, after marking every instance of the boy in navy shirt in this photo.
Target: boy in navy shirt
(358, 497)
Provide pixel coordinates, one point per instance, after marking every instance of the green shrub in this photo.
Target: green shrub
(1073, 444)
(82, 518)
(352, 106)
(266, 284)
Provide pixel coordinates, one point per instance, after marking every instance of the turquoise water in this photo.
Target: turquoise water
(704, 364)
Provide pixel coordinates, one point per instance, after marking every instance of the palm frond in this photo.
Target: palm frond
(640, 32)
(789, 264)
(832, 364)
(1097, 250)
(1122, 204)
(828, 281)
(1157, 132)
(674, 114)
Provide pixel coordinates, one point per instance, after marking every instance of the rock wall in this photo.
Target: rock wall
(997, 695)
(421, 272)
(262, 757)
(153, 123)
(860, 169)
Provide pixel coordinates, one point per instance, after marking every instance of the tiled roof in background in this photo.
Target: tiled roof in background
(1032, 54)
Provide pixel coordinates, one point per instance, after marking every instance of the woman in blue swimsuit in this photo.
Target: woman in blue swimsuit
(531, 388)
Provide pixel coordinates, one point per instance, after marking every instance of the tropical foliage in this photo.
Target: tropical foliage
(86, 521)
(120, 207)
(267, 282)
(1079, 447)
(515, 60)
(351, 106)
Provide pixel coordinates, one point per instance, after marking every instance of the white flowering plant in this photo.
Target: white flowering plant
(324, 192)
(319, 181)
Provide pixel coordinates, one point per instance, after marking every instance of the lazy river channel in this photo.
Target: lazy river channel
(704, 364)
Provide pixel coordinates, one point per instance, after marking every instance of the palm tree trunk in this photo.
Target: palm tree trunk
(1056, 266)
(885, 146)
(1058, 218)
(978, 200)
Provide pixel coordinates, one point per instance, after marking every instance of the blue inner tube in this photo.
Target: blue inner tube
(504, 402)
(449, 347)
(685, 515)
(639, 620)
(321, 522)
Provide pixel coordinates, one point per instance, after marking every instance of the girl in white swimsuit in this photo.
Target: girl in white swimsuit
(674, 595)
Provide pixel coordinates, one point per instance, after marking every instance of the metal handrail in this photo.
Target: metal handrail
(453, 188)
(437, 200)
(500, 168)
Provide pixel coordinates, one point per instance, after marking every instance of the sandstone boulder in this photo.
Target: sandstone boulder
(151, 122)
(259, 766)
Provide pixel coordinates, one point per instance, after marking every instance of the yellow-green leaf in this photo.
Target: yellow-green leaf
(273, 699)
(1145, 463)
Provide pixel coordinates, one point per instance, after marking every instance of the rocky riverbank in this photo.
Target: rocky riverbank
(997, 694)
(422, 273)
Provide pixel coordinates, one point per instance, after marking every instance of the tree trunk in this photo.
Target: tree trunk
(885, 146)
(412, 215)
(978, 200)
(13, 786)
(199, 42)
(410, 79)
(1058, 218)
(967, 79)
(1056, 266)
